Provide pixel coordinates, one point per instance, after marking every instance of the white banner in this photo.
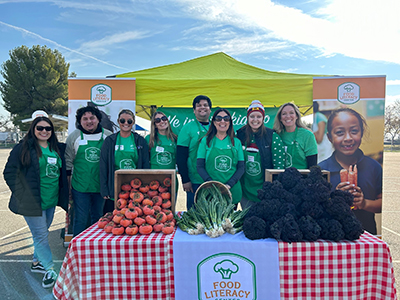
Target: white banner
(230, 267)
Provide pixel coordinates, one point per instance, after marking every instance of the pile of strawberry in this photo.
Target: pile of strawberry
(141, 208)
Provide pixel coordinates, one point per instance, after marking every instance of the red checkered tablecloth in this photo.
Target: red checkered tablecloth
(99, 265)
(103, 266)
(359, 269)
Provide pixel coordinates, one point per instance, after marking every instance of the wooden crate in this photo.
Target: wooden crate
(272, 174)
(146, 176)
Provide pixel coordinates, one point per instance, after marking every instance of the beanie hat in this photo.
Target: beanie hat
(255, 105)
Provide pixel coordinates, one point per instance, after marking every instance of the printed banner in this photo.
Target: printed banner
(349, 129)
(110, 95)
(180, 116)
(230, 267)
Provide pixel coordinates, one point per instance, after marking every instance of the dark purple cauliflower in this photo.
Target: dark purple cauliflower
(254, 228)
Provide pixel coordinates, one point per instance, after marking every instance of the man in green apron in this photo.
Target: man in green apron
(187, 145)
(82, 158)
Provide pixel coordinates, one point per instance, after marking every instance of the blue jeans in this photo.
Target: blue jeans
(190, 196)
(85, 204)
(39, 227)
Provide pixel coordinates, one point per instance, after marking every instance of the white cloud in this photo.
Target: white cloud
(390, 99)
(364, 29)
(393, 82)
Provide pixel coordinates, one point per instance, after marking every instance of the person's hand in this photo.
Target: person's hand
(228, 186)
(187, 187)
(359, 200)
(106, 197)
(346, 186)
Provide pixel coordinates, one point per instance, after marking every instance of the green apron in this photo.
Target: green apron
(253, 177)
(49, 165)
(221, 165)
(295, 156)
(126, 155)
(163, 155)
(86, 174)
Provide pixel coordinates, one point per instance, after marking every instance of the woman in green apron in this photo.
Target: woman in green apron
(122, 150)
(300, 144)
(263, 149)
(162, 144)
(36, 175)
(220, 154)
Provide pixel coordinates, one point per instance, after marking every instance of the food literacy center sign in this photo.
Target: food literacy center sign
(348, 93)
(100, 94)
(226, 276)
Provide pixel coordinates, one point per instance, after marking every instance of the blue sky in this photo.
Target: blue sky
(108, 37)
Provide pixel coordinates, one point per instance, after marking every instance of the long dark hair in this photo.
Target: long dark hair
(212, 131)
(31, 139)
(154, 131)
(249, 132)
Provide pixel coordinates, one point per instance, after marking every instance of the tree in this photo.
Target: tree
(392, 121)
(34, 78)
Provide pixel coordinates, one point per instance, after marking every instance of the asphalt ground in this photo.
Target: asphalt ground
(16, 247)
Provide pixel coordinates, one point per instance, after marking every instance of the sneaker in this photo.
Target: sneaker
(38, 268)
(49, 278)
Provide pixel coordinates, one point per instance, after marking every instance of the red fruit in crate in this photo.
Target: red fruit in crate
(168, 229)
(156, 208)
(108, 228)
(158, 227)
(118, 230)
(139, 210)
(152, 193)
(145, 228)
(137, 196)
(123, 195)
(161, 217)
(108, 215)
(117, 218)
(124, 210)
(136, 183)
(163, 188)
(132, 229)
(139, 221)
(150, 219)
(116, 211)
(166, 203)
(102, 222)
(167, 182)
(126, 186)
(121, 203)
(131, 213)
(172, 222)
(166, 195)
(148, 210)
(157, 200)
(144, 188)
(154, 185)
(169, 215)
(147, 201)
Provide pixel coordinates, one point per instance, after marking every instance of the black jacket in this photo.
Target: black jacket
(263, 143)
(107, 161)
(24, 182)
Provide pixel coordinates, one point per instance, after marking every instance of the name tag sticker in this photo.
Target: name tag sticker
(159, 149)
(116, 147)
(52, 160)
(83, 142)
(121, 147)
(251, 158)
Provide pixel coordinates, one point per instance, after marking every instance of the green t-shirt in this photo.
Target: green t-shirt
(204, 150)
(189, 136)
(163, 153)
(299, 144)
(126, 155)
(50, 165)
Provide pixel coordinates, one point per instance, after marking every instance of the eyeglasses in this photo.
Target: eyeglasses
(40, 128)
(219, 118)
(129, 121)
(158, 120)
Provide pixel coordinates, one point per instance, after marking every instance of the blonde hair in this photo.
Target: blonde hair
(279, 127)
(154, 131)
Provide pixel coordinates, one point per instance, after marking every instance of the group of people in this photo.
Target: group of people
(42, 173)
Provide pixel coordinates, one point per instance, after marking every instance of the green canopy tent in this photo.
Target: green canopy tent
(228, 82)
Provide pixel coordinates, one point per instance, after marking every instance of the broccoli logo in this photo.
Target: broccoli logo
(226, 268)
(348, 88)
(101, 89)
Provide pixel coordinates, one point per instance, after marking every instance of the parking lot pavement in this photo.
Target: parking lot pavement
(16, 248)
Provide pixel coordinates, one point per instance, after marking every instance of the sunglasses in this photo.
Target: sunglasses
(129, 121)
(158, 120)
(47, 128)
(219, 118)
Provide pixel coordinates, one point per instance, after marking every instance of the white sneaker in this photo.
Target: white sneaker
(49, 278)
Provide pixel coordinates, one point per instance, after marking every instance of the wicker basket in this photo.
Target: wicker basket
(222, 187)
